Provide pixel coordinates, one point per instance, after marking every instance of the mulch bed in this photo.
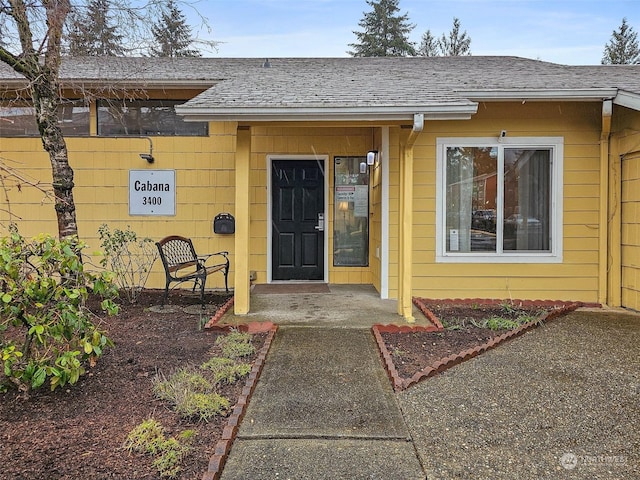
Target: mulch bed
(413, 354)
(78, 431)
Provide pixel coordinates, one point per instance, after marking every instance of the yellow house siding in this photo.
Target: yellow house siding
(627, 145)
(204, 187)
(304, 140)
(576, 278)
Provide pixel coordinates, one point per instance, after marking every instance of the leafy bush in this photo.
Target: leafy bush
(236, 344)
(148, 438)
(226, 370)
(46, 328)
(128, 257)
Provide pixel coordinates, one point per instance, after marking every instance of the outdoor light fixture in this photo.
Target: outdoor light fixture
(372, 156)
(148, 156)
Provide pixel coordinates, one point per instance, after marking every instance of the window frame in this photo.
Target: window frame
(556, 146)
(147, 103)
(65, 122)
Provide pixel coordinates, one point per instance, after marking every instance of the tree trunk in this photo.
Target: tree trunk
(46, 101)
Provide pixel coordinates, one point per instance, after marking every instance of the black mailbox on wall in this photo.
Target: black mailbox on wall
(224, 224)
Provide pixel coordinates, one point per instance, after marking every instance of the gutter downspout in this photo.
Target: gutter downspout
(405, 300)
(605, 205)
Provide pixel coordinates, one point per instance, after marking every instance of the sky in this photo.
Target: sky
(572, 32)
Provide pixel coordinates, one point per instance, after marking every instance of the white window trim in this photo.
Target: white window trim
(557, 184)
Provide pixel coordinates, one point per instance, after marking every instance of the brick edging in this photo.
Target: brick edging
(219, 313)
(223, 446)
(399, 383)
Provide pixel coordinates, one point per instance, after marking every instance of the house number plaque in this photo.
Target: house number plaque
(152, 192)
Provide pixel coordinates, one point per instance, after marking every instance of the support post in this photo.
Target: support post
(242, 283)
(405, 284)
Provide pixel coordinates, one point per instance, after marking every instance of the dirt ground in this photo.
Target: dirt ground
(414, 351)
(78, 431)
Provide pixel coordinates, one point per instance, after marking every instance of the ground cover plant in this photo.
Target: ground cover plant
(465, 325)
(82, 430)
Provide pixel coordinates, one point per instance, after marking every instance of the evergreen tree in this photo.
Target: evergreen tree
(172, 34)
(386, 33)
(94, 33)
(623, 48)
(429, 46)
(455, 44)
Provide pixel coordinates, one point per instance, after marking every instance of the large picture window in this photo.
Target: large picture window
(145, 117)
(499, 201)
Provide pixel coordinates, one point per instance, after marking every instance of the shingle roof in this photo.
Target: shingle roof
(370, 87)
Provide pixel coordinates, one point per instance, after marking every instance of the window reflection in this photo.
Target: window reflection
(498, 193)
(20, 120)
(145, 117)
(351, 212)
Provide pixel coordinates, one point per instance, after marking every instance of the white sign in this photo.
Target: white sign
(152, 192)
(361, 198)
(345, 194)
(454, 240)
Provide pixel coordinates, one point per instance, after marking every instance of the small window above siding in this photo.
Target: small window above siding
(19, 119)
(145, 117)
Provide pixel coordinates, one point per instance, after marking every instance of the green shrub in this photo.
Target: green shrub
(128, 257)
(184, 379)
(236, 344)
(201, 406)
(46, 329)
(499, 323)
(145, 438)
(148, 438)
(226, 370)
(453, 324)
(191, 394)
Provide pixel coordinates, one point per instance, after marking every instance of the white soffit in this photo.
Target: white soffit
(626, 99)
(444, 112)
(580, 94)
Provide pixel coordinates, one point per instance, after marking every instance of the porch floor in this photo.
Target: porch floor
(342, 306)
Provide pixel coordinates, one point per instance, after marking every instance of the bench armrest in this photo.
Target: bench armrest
(203, 258)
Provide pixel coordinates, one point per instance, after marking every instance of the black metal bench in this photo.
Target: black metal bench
(182, 264)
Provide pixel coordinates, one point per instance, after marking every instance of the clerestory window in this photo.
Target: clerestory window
(145, 117)
(18, 119)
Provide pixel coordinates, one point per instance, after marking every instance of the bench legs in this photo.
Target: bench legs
(200, 280)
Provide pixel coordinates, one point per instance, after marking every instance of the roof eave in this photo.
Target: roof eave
(67, 83)
(572, 95)
(257, 114)
(627, 99)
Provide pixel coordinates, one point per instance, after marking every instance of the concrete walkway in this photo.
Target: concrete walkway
(562, 401)
(323, 408)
